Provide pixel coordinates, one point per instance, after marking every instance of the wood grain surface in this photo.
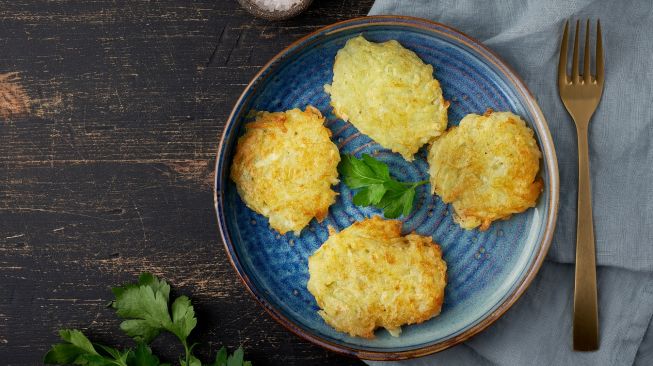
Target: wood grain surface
(110, 114)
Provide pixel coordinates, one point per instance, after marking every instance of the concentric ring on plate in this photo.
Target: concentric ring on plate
(488, 271)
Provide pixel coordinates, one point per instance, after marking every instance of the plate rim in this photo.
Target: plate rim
(548, 150)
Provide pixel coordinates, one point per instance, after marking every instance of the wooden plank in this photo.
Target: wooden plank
(106, 168)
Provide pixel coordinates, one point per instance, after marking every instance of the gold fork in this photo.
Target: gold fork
(581, 95)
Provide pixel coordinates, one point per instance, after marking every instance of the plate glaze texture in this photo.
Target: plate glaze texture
(487, 271)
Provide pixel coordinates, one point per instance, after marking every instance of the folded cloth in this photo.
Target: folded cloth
(526, 34)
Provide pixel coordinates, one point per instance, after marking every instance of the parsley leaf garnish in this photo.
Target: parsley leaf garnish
(78, 350)
(145, 308)
(142, 356)
(236, 359)
(376, 187)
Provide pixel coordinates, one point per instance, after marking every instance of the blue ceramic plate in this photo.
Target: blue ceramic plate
(487, 271)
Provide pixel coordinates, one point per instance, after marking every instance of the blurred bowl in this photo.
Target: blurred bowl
(256, 9)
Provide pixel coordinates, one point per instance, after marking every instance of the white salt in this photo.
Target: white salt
(278, 5)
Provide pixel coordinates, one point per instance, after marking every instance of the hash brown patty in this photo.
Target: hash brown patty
(284, 167)
(487, 168)
(388, 93)
(369, 276)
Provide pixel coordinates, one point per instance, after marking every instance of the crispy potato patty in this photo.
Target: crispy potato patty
(369, 276)
(284, 167)
(389, 94)
(487, 168)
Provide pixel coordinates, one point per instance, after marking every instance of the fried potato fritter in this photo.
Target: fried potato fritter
(487, 168)
(369, 276)
(388, 93)
(284, 167)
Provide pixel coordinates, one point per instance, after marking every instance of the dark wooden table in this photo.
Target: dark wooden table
(110, 113)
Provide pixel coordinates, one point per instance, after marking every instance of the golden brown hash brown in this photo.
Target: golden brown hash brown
(369, 276)
(388, 93)
(284, 167)
(487, 168)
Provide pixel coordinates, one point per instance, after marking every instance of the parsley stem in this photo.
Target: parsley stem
(187, 350)
(416, 184)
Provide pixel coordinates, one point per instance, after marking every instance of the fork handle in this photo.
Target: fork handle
(586, 320)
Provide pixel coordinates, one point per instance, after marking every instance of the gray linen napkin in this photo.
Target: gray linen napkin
(526, 34)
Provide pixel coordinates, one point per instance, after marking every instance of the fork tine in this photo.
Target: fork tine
(562, 63)
(587, 75)
(599, 53)
(574, 57)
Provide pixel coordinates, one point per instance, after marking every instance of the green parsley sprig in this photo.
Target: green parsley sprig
(376, 187)
(144, 306)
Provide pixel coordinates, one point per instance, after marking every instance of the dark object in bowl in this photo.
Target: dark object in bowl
(257, 10)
